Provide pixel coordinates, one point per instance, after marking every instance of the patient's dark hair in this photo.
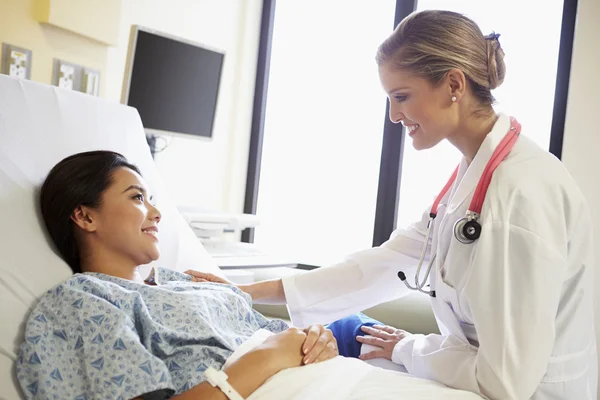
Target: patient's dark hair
(77, 180)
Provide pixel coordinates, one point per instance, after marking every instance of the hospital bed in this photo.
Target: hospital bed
(39, 126)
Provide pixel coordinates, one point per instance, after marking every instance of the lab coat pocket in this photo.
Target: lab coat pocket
(570, 367)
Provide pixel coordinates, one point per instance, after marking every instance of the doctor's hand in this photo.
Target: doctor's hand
(206, 277)
(320, 345)
(384, 337)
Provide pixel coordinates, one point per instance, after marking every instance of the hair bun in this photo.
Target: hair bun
(492, 36)
(429, 43)
(495, 60)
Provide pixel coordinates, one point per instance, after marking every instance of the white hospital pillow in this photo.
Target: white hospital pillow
(39, 126)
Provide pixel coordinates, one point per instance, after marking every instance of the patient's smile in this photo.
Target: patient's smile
(151, 231)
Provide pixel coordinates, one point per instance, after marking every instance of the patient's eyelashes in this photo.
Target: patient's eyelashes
(138, 196)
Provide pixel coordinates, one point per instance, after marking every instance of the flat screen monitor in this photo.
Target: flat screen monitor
(173, 83)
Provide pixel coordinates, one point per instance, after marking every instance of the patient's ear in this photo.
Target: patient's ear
(84, 219)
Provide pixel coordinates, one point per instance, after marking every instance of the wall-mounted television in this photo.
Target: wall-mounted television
(172, 82)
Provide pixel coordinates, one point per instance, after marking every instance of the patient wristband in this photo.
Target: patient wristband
(219, 379)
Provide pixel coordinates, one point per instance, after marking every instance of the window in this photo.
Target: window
(323, 124)
(319, 197)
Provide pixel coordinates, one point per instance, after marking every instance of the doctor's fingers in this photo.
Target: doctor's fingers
(206, 277)
(376, 332)
(375, 341)
(385, 328)
(375, 354)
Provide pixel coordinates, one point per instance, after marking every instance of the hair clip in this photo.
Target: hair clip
(492, 36)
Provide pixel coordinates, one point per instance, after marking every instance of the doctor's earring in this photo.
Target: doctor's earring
(453, 99)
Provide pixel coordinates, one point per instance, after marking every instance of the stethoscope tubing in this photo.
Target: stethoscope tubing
(467, 229)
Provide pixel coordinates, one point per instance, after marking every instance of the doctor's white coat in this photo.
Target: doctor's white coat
(515, 309)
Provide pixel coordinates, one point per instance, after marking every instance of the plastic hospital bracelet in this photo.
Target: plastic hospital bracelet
(219, 379)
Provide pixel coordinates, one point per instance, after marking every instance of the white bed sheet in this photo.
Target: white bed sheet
(352, 379)
(345, 379)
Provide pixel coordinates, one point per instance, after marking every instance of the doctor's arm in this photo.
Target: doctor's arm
(364, 279)
(265, 292)
(512, 295)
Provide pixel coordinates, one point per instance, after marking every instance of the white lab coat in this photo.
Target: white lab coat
(515, 309)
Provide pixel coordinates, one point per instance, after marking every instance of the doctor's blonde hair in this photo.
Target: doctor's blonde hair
(430, 43)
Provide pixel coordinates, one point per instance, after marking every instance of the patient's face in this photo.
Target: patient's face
(127, 221)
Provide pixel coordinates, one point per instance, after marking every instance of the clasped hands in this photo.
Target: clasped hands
(317, 343)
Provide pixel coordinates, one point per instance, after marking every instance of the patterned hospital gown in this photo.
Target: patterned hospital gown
(100, 337)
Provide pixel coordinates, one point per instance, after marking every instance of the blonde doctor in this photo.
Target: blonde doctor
(509, 252)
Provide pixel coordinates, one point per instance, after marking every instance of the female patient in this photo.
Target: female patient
(105, 333)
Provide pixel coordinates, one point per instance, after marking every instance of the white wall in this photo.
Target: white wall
(582, 135)
(209, 173)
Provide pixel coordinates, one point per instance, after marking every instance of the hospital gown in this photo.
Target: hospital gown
(96, 336)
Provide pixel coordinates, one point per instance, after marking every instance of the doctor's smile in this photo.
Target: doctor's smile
(411, 129)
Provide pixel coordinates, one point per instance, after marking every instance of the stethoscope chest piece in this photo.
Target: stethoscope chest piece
(467, 229)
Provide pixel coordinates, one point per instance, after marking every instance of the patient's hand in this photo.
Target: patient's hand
(206, 277)
(320, 344)
(284, 349)
(384, 337)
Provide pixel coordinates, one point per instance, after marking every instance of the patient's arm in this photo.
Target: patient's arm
(247, 374)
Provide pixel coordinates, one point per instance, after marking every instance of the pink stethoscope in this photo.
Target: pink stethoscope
(466, 229)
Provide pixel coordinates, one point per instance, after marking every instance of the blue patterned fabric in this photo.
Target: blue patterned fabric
(100, 337)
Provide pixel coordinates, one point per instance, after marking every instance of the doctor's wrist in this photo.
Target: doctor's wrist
(402, 348)
(250, 289)
(265, 291)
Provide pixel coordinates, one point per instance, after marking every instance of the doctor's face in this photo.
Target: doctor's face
(420, 106)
